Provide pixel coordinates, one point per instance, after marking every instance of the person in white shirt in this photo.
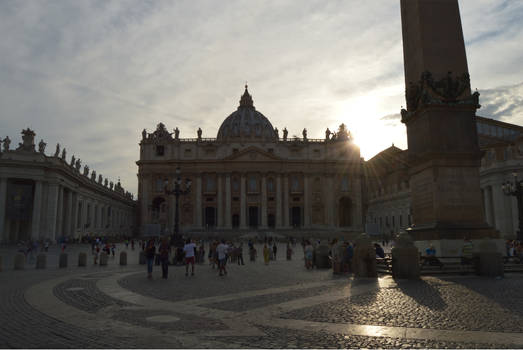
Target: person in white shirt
(222, 250)
(189, 249)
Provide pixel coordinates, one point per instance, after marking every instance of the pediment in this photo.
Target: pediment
(253, 154)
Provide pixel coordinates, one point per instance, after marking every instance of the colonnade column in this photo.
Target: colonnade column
(243, 203)
(500, 220)
(330, 201)
(306, 202)
(52, 208)
(68, 215)
(286, 223)
(60, 211)
(37, 207)
(198, 201)
(264, 203)
(220, 201)
(279, 213)
(228, 218)
(3, 207)
(488, 205)
(74, 214)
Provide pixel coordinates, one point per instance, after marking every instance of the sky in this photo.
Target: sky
(92, 75)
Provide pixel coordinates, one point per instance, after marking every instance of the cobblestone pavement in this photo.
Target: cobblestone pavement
(281, 305)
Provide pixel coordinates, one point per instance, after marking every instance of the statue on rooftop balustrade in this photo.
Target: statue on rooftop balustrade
(285, 133)
(64, 152)
(199, 133)
(57, 152)
(7, 142)
(176, 133)
(41, 146)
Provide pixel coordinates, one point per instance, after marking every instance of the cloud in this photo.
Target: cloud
(92, 74)
(504, 103)
(395, 116)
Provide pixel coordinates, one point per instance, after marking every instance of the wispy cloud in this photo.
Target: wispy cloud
(92, 74)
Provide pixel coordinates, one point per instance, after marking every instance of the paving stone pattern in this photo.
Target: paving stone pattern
(430, 303)
(85, 295)
(279, 338)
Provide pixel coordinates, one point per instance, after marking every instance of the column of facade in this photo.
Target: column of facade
(306, 202)
(37, 208)
(264, 202)
(279, 214)
(60, 212)
(74, 215)
(330, 201)
(499, 208)
(220, 201)
(286, 201)
(67, 230)
(488, 205)
(171, 212)
(515, 215)
(243, 203)
(3, 208)
(198, 208)
(228, 215)
(52, 209)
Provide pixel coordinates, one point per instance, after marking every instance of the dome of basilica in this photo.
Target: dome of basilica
(246, 123)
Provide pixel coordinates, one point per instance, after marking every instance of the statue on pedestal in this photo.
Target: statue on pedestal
(100, 179)
(176, 133)
(7, 142)
(144, 134)
(111, 185)
(199, 132)
(72, 160)
(285, 133)
(304, 133)
(41, 146)
(277, 133)
(78, 164)
(105, 182)
(86, 170)
(57, 152)
(28, 144)
(63, 154)
(93, 175)
(327, 134)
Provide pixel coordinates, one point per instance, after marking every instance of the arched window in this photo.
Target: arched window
(345, 183)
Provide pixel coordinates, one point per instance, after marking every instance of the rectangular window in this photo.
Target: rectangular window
(160, 150)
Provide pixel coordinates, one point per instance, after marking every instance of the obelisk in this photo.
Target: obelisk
(443, 148)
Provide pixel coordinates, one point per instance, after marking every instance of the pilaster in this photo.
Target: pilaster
(264, 202)
(37, 207)
(243, 203)
(228, 215)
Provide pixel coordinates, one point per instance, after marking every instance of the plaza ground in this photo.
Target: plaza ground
(281, 305)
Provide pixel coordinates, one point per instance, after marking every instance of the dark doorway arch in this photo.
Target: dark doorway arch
(296, 216)
(253, 217)
(271, 220)
(236, 221)
(210, 216)
(345, 212)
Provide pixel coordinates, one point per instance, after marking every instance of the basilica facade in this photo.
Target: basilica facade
(249, 178)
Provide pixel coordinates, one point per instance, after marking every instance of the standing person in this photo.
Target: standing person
(221, 251)
(266, 254)
(164, 250)
(274, 249)
(308, 250)
(240, 254)
(132, 244)
(113, 249)
(189, 248)
(150, 252)
(289, 251)
(126, 244)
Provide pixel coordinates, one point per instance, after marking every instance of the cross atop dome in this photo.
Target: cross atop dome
(246, 99)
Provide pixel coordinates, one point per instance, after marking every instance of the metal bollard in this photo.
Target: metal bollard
(62, 263)
(82, 259)
(123, 258)
(19, 261)
(41, 261)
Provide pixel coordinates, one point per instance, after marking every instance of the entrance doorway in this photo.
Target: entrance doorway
(345, 212)
(253, 217)
(236, 221)
(296, 216)
(271, 220)
(210, 216)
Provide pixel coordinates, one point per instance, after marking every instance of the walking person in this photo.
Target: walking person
(274, 249)
(150, 252)
(189, 248)
(164, 250)
(289, 252)
(240, 254)
(266, 254)
(221, 251)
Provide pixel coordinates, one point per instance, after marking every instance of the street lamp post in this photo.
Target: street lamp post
(177, 191)
(516, 189)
